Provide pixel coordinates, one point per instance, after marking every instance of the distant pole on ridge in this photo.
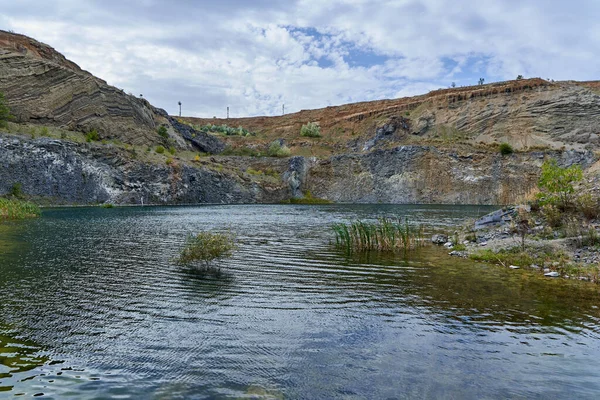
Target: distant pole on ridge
(283, 109)
(179, 108)
(227, 112)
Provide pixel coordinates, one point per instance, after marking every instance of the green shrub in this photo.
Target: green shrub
(162, 132)
(552, 215)
(172, 150)
(160, 149)
(589, 206)
(506, 149)
(169, 161)
(556, 184)
(16, 190)
(312, 129)
(206, 247)
(92, 136)
(107, 205)
(278, 150)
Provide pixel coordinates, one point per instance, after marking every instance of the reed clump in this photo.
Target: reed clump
(18, 209)
(385, 235)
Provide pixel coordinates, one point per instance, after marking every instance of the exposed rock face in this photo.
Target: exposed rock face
(421, 174)
(201, 140)
(295, 176)
(69, 173)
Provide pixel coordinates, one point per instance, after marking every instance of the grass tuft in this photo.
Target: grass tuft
(18, 209)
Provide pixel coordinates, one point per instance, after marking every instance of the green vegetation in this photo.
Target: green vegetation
(4, 111)
(92, 136)
(160, 149)
(589, 206)
(312, 129)
(308, 199)
(556, 184)
(206, 247)
(17, 209)
(226, 130)
(539, 258)
(16, 190)
(266, 172)
(384, 235)
(241, 151)
(169, 161)
(276, 149)
(162, 132)
(172, 150)
(107, 205)
(506, 149)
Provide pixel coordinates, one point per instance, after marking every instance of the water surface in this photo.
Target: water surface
(92, 306)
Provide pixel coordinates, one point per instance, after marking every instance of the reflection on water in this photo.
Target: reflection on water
(17, 358)
(286, 317)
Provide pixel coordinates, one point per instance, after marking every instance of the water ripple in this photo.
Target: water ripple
(286, 316)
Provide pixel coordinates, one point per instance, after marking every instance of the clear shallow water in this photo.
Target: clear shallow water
(91, 306)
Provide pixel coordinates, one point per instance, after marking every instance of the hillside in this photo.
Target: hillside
(42, 87)
(529, 114)
(78, 140)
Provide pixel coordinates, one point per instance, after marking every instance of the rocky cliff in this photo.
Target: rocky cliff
(62, 172)
(441, 147)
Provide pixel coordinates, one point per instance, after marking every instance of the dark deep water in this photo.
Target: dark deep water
(91, 306)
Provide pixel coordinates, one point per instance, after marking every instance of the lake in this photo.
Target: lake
(92, 306)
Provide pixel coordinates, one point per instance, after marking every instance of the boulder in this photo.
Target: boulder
(496, 218)
(439, 239)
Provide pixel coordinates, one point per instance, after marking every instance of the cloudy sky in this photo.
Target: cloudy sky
(255, 55)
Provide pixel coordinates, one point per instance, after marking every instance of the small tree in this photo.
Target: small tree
(276, 149)
(481, 81)
(522, 227)
(519, 77)
(556, 184)
(453, 85)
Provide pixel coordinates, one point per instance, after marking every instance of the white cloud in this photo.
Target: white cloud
(310, 53)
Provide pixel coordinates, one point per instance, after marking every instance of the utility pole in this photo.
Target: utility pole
(179, 108)
(283, 109)
(227, 112)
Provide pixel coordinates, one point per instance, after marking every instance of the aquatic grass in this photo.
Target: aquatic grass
(18, 209)
(385, 236)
